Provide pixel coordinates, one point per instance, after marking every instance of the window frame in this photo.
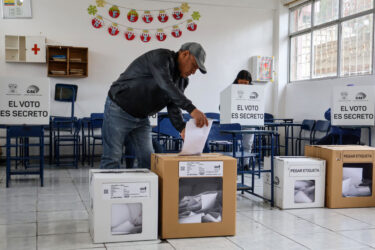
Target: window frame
(338, 22)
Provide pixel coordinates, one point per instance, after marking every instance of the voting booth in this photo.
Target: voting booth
(353, 106)
(24, 101)
(243, 104)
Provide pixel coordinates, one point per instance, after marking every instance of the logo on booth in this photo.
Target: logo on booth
(344, 95)
(12, 88)
(32, 89)
(360, 96)
(240, 94)
(253, 95)
(276, 181)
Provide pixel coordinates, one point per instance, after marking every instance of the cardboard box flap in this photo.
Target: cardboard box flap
(202, 157)
(345, 147)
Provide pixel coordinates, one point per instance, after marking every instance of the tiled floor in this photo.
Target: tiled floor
(55, 217)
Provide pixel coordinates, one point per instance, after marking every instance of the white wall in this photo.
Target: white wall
(230, 31)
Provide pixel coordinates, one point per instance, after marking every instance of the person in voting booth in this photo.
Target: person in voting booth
(349, 135)
(244, 77)
(153, 81)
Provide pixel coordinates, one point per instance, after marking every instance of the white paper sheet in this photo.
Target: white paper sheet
(195, 138)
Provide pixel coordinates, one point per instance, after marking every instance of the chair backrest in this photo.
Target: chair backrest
(322, 127)
(308, 125)
(96, 121)
(66, 93)
(213, 116)
(268, 117)
(165, 127)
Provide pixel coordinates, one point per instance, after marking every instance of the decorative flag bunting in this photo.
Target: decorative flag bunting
(113, 29)
(129, 34)
(133, 16)
(114, 11)
(160, 35)
(176, 32)
(145, 36)
(163, 17)
(179, 13)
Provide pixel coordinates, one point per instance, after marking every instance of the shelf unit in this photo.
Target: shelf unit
(25, 49)
(74, 65)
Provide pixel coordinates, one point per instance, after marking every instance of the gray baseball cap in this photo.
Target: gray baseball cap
(198, 52)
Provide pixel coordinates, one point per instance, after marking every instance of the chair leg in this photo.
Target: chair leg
(93, 153)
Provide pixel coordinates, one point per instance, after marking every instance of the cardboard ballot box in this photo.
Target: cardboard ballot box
(197, 195)
(350, 174)
(123, 205)
(299, 182)
(243, 104)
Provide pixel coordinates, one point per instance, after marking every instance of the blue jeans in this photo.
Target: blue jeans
(117, 125)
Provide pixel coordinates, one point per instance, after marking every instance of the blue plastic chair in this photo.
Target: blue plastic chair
(25, 133)
(167, 135)
(96, 124)
(306, 127)
(321, 127)
(213, 116)
(66, 134)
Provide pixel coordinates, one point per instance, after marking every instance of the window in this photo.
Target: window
(331, 38)
(325, 52)
(300, 57)
(356, 46)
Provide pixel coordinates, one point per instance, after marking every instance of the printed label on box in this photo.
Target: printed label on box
(126, 190)
(200, 168)
(305, 171)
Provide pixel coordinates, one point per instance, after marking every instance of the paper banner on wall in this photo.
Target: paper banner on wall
(133, 23)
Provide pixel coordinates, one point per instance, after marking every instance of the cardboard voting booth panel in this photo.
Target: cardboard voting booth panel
(352, 106)
(299, 182)
(350, 174)
(123, 205)
(243, 104)
(24, 101)
(197, 195)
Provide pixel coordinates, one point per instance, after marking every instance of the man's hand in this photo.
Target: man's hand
(200, 118)
(183, 134)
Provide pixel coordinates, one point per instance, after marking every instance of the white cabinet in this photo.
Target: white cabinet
(25, 49)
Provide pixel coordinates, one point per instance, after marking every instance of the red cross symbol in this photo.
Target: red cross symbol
(35, 49)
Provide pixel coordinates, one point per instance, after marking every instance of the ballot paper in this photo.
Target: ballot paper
(126, 218)
(304, 191)
(200, 200)
(195, 138)
(354, 183)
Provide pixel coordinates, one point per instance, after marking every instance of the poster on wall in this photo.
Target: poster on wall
(16, 8)
(24, 101)
(353, 106)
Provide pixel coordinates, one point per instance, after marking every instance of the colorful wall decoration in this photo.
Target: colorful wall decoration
(132, 23)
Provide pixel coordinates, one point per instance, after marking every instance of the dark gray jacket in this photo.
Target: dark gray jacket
(150, 83)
